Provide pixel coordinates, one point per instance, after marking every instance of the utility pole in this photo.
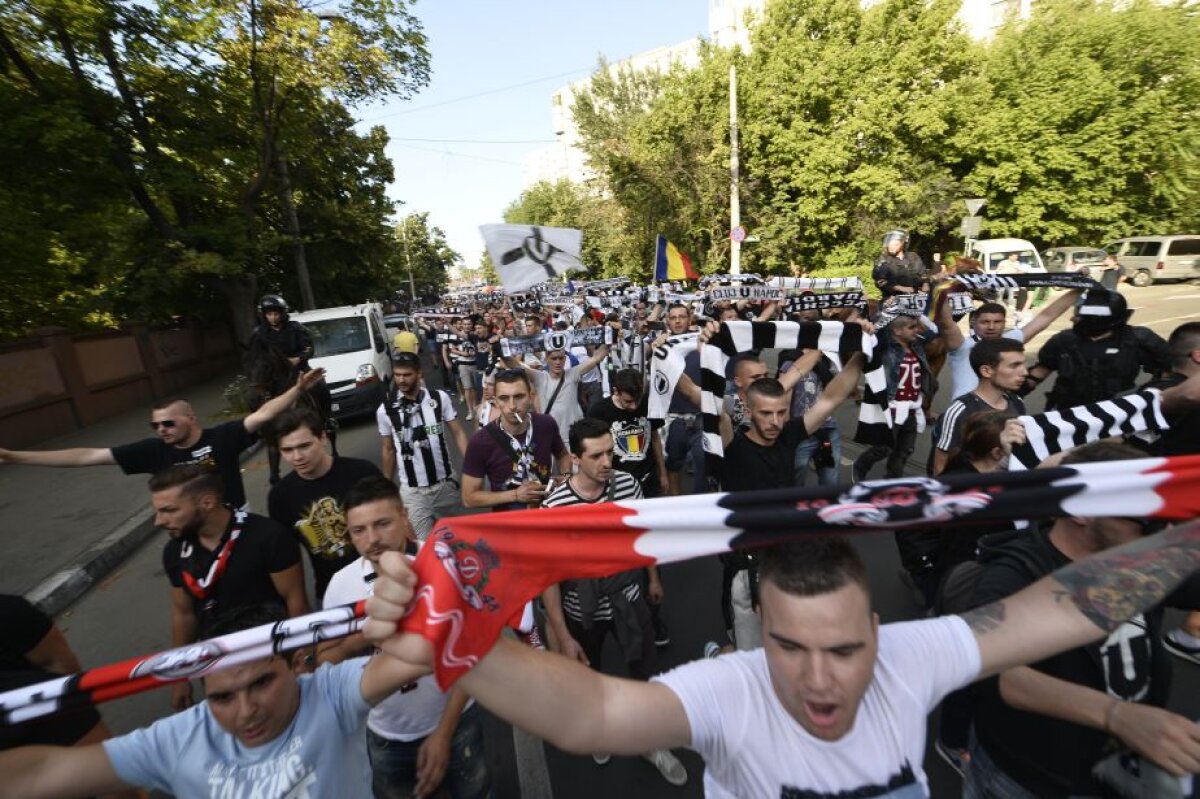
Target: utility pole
(412, 285)
(735, 208)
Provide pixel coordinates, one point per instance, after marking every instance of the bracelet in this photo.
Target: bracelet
(1108, 714)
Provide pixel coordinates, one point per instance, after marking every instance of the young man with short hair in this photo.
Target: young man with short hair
(308, 501)
(413, 422)
(834, 704)
(262, 731)
(217, 558)
(516, 453)
(581, 614)
(999, 363)
(419, 738)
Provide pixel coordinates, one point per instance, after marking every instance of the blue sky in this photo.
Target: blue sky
(479, 46)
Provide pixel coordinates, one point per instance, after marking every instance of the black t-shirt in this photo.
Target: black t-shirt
(749, 466)
(22, 627)
(1184, 436)
(1051, 757)
(263, 548)
(631, 432)
(218, 448)
(312, 510)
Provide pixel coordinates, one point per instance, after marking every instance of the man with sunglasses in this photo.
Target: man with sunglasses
(179, 438)
(1041, 729)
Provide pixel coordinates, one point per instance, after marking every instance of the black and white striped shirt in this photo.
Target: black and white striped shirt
(418, 429)
(622, 486)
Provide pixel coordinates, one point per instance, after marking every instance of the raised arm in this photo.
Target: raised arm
(277, 405)
(79, 456)
(1084, 601)
(799, 368)
(947, 327)
(1048, 314)
(838, 391)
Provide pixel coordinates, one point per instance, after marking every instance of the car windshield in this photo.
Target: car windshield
(337, 336)
(1026, 259)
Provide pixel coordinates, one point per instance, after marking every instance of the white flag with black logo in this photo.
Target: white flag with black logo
(525, 255)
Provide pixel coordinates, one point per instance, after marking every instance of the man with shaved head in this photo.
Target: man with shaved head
(178, 438)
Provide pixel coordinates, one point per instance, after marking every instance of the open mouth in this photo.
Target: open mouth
(821, 714)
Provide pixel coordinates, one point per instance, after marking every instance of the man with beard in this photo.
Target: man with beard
(218, 558)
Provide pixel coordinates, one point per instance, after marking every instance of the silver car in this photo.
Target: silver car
(1147, 259)
(1072, 259)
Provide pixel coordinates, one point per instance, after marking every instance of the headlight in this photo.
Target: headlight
(366, 374)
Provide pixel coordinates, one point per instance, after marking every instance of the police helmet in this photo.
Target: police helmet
(273, 302)
(895, 235)
(1098, 311)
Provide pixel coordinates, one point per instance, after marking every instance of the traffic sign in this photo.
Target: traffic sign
(971, 225)
(738, 233)
(974, 204)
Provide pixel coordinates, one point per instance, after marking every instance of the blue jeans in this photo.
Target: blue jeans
(394, 763)
(985, 780)
(686, 441)
(826, 475)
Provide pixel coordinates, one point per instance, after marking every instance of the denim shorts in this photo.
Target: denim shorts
(394, 763)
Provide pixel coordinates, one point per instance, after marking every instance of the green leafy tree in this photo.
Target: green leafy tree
(424, 249)
(1086, 124)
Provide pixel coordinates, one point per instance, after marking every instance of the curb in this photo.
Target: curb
(58, 591)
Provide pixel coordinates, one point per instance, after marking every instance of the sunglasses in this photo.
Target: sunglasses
(508, 374)
(406, 359)
(166, 424)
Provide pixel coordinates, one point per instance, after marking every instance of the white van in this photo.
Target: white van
(350, 344)
(994, 255)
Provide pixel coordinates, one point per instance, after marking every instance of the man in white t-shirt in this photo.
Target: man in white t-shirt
(834, 704)
(557, 386)
(418, 736)
(987, 321)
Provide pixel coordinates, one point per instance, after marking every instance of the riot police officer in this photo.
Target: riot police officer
(898, 271)
(1100, 356)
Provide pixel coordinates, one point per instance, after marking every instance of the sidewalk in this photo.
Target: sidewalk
(67, 528)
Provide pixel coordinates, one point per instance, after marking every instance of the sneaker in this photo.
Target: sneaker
(712, 649)
(957, 759)
(662, 636)
(1175, 643)
(669, 766)
(601, 759)
(470, 416)
(857, 475)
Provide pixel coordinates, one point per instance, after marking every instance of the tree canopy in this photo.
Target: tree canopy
(179, 152)
(1077, 125)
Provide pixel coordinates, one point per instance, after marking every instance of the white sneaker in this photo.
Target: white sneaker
(669, 766)
(602, 759)
(470, 416)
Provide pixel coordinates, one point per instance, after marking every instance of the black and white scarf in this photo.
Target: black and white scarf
(556, 340)
(1055, 431)
(1056, 280)
(820, 302)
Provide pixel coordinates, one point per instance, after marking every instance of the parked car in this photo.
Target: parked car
(349, 342)
(1150, 258)
(393, 323)
(1072, 259)
(994, 255)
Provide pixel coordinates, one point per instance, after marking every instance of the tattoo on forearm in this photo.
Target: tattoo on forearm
(1110, 588)
(985, 619)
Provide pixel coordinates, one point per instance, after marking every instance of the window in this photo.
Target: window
(339, 336)
(1144, 248)
(377, 336)
(1054, 257)
(1188, 246)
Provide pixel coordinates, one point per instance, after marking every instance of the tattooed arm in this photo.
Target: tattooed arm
(1083, 602)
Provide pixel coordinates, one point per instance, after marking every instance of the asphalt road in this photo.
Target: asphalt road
(128, 614)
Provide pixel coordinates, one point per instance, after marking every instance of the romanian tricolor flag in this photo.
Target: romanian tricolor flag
(671, 264)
